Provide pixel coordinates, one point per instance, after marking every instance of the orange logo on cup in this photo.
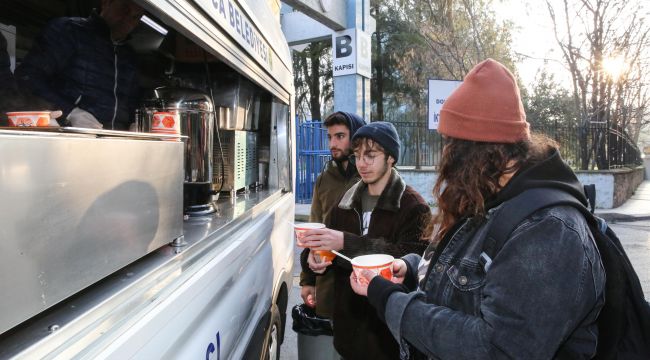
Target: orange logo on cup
(166, 122)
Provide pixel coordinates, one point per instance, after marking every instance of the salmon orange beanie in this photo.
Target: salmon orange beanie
(486, 107)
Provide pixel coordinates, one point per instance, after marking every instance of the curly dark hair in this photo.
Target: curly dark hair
(470, 172)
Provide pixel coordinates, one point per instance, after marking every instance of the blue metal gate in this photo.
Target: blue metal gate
(313, 153)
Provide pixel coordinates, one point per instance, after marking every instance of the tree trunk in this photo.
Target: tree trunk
(314, 84)
(417, 135)
(379, 73)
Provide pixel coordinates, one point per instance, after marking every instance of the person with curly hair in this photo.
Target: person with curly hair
(540, 295)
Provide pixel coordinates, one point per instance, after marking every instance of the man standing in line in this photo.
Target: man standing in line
(337, 176)
(380, 214)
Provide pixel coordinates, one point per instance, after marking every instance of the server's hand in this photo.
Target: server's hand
(83, 119)
(54, 114)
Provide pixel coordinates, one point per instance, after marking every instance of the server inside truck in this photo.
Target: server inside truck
(85, 67)
(99, 62)
(109, 64)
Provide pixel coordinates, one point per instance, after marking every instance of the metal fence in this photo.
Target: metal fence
(593, 147)
(420, 146)
(313, 153)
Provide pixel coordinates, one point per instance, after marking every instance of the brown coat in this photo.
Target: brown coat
(396, 228)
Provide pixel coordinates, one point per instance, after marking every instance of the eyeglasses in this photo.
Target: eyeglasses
(368, 158)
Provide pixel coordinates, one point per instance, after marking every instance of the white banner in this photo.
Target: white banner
(439, 90)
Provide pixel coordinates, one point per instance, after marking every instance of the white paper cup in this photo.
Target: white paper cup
(325, 255)
(301, 228)
(380, 264)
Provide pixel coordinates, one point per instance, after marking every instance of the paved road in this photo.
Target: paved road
(635, 237)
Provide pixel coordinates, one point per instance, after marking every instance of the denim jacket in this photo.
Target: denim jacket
(539, 298)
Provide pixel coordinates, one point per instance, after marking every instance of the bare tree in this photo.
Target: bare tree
(605, 46)
(313, 80)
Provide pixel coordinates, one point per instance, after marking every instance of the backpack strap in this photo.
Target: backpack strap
(515, 210)
(590, 192)
(624, 321)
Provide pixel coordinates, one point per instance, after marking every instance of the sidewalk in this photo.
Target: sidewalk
(635, 208)
(302, 212)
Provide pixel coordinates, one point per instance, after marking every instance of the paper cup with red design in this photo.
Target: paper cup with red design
(301, 228)
(29, 118)
(380, 264)
(325, 255)
(166, 122)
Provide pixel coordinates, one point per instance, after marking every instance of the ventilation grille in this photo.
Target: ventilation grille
(240, 163)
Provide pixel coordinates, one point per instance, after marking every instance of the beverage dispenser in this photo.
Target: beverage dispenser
(194, 110)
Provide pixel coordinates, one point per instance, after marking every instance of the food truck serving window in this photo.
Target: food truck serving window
(101, 65)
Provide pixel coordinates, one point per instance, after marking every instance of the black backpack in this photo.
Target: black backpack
(624, 321)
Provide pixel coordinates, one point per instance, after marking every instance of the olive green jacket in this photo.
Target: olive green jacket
(330, 186)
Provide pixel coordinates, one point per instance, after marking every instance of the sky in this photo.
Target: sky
(533, 39)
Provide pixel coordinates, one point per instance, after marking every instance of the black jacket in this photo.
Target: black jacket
(74, 63)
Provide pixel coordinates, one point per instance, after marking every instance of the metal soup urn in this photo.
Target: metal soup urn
(194, 110)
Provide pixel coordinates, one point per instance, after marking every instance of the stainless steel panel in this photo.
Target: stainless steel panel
(280, 171)
(69, 131)
(238, 100)
(199, 127)
(194, 108)
(170, 304)
(75, 210)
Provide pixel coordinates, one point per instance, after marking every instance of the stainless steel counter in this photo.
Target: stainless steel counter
(78, 207)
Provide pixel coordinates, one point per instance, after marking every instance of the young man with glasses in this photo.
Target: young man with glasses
(380, 214)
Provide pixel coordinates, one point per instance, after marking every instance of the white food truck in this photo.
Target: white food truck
(149, 245)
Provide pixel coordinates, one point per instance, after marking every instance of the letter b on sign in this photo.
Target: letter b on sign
(343, 46)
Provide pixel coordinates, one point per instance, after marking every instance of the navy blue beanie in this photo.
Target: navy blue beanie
(383, 133)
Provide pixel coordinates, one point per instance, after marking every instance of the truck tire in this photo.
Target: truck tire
(271, 349)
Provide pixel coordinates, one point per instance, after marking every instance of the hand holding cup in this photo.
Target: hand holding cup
(303, 228)
(316, 263)
(366, 267)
